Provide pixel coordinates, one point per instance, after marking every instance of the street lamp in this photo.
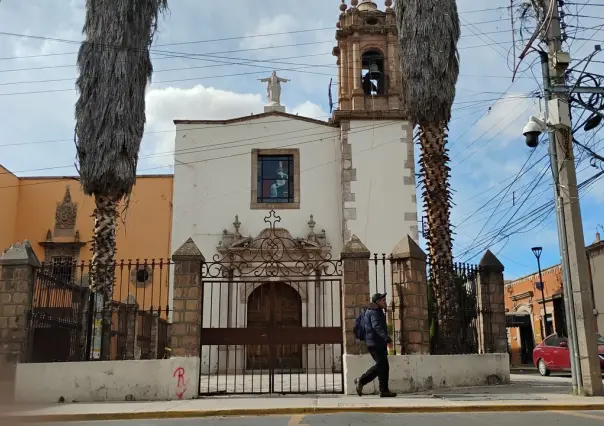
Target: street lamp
(537, 252)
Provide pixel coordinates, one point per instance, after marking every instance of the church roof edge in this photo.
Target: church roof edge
(255, 117)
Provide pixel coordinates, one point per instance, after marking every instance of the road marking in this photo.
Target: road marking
(296, 420)
(580, 414)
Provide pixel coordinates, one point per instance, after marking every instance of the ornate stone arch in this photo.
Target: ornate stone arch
(377, 47)
(246, 291)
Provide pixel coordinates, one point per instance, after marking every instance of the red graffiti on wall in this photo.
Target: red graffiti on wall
(181, 382)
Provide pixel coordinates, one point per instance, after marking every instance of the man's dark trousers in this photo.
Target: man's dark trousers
(381, 369)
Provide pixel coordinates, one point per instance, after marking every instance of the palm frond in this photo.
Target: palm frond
(428, 34)
(115, 67)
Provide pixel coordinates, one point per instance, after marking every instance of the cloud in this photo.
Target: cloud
(506, 118)
(308, 109)
(199, 103)
(278, 24)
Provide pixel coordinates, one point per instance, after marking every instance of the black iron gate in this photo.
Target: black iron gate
(271, 309)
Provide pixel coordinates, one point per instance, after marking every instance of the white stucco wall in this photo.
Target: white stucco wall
(415, 373)
(212, 184)
(149, 380)
(212, 179)
(385, 207)
(383, 197)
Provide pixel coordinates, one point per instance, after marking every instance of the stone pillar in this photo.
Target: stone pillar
(187, 303)
(491, 302)
(18, 267)
(153, 344)
(410, 297)
(355, 290)
(131, 311)
(358, 96)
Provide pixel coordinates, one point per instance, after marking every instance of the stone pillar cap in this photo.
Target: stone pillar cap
(490, 261)
(20, 254)
(355, 248)
(408, 248)
(188, 252)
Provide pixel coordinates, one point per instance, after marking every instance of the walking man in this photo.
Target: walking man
(377, 340)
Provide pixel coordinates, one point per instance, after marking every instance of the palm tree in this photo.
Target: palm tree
(428, 34)
(115, 66)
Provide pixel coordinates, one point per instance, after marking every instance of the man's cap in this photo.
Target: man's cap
(378, 296)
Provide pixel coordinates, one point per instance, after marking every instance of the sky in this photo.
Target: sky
(208, 57)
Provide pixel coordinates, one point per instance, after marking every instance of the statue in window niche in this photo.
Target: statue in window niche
(278, 186)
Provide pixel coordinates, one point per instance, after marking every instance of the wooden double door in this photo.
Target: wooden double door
(274, 307)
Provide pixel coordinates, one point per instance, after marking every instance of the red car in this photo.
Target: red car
(553, 355)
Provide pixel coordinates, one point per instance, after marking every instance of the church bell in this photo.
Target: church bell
(374, 71)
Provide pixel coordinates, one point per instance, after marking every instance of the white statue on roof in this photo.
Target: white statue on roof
(273, 88)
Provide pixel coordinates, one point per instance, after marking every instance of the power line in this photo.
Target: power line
(231, 145)
(371, 127)
(481, 104)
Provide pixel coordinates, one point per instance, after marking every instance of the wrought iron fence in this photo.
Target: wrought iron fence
(381, 282)
(459, 320)
(66, 314)
(459, 317)
(272, 319)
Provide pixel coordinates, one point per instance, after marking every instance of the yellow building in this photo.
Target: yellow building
(54, 210)
(55, 216)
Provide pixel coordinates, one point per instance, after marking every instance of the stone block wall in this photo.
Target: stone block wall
(18, 267)
(355, 291)
(410, 297)
(186, 318)
(491, 300)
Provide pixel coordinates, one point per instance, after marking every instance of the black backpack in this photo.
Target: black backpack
(359, 326)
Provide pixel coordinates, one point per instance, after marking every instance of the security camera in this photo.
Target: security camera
(532, 130)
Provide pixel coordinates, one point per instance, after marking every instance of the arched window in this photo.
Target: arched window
(373, 77)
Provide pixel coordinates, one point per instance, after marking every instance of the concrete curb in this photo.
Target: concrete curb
(255, 412)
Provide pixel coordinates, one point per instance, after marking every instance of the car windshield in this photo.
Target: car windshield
(599, 339)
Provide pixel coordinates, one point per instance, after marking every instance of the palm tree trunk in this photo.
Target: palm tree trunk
(434, 167)
(103, 262)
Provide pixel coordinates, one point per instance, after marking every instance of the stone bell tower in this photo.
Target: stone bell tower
(368, 60)
(376, 138)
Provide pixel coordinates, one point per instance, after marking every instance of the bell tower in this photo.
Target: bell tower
(376, 138)
(368, 61)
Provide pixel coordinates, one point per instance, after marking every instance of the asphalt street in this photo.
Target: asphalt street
(588, 418)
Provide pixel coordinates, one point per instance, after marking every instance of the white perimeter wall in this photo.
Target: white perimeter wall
(149, 380)
(416, 373)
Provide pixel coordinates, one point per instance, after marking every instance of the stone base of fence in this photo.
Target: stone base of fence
(422, 372)
(111, 381)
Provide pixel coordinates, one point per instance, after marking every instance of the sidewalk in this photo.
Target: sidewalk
(525, 394)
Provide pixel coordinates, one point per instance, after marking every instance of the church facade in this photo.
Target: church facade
(324, 180)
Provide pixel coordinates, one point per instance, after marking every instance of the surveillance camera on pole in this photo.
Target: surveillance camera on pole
(532, 130)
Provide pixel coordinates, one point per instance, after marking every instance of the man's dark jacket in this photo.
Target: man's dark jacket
(376, 331)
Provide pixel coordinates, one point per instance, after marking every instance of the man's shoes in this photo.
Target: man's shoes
(387, 394)
(359, 387)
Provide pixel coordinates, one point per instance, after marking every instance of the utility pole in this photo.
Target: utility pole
(579, 303)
